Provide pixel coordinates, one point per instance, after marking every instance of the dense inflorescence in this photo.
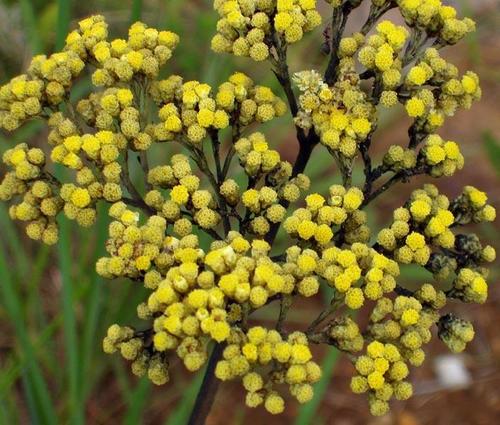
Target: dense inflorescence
(204, 293)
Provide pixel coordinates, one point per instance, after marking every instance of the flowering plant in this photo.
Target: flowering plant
(204, 297)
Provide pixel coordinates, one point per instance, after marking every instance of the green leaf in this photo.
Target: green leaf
(138, 401)
(63, 20)
(136, 11)
(93, 304)
(185, 405)
(30, 26)
(34, 377)
(492, 146)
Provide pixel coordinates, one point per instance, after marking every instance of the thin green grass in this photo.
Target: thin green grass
(137, 403)
(30, 26)
(34, 383)
(136, 11)
(12, 235)
(63, 21)
(94, 307)
(69, 322)
(492, 147)
(185, 405)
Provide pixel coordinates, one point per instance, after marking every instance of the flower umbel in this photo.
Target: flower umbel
(204, 293)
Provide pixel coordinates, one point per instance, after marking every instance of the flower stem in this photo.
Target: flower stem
(208, 390)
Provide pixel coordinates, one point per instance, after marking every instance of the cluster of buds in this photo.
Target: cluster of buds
(134, 249)
(203, 293)
(315, 222)
(398, 330)
(436, 19)
(341, 115)
(290, 360)
(247, 28)
(432, 106)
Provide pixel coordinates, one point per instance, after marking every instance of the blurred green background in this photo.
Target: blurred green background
(54, 310)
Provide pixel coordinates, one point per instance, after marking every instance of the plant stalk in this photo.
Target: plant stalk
(208, 390)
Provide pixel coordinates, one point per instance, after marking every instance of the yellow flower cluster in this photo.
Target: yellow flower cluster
(131, 346)
(444, 157)
(346, 335)
(472, 206)
(44, 86)
(470, 286)
(190, 111)
(133, 249)
(246, 27)
(437, 19)
(425, 221)
(196, 296)
(398, 158)
(341, 115)
(185, 193)
(254, 103)
(398, 328)
(432, 106)
(357, 273)
(203, 294)
(255, 155)
(381, 52)
(119, 60)
(40, 203)
(290, 360)
(112, 108)
(315, 222)
(455, 332)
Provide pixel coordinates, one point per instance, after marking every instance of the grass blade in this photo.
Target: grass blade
(307, 412)
(136, 11)
(11, 301)
(15, 245)
(63, 20)
(138, 400)
(29, 20)
(185, 405)
(69, 322)
(492, 147)
(94, 306)
(29, 392)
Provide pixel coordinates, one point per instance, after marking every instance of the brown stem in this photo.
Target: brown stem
(339, 20)
(208, 389)
(375, 13)
(283, 76)
(305, 151)
(402, 175)
(220, 180)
